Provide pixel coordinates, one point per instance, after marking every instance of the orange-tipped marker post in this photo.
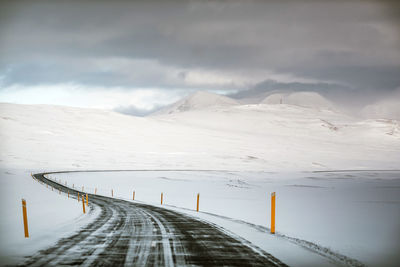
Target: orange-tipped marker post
(198, 198)
(87, 200)
(25, 218)
(273, 213)
(83, 204)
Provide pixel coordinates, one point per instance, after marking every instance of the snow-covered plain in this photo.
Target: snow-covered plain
(244, 137)
(260, 137)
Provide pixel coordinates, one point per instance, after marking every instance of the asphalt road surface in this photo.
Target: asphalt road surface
(135, 234)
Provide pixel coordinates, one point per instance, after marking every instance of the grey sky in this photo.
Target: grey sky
(182, 46)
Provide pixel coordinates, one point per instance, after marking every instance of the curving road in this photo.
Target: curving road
(134, 234)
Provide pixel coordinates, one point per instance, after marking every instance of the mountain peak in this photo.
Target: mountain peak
(198, 100)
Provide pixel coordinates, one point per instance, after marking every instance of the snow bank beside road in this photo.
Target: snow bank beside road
(50, 216)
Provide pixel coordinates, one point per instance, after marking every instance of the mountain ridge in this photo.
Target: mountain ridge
(197, 100)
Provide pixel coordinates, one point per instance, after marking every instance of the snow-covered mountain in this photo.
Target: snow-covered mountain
(304, 99)
(198, 100)
(237, 137)
(384, 109)
(203, 100)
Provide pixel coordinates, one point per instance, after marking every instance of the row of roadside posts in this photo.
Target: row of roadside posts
(85, 202)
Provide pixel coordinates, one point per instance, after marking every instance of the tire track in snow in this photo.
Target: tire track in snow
(135, 234)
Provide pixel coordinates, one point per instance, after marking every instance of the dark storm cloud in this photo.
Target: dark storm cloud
(354, 44)
(270, 86)
(340, 94)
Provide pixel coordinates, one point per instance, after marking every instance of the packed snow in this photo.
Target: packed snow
(254, 138)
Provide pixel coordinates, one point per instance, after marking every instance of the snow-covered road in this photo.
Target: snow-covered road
(131, 234)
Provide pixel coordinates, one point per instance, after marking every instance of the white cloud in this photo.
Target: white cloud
(91, 97)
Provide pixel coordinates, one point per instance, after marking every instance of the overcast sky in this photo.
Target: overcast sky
(138, 56)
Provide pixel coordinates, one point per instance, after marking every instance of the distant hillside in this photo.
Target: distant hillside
(384, 109)
(198, 100)
(304, 99)
(237, 137)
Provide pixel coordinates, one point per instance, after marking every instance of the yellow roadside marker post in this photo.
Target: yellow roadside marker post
(198, 198)
(25, 218)
(78, 196)
(161, 198)
(83, 204)
(133, 195)
(87, 201)
(273, 213)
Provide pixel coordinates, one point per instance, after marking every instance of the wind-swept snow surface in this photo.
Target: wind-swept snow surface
(246, 137)
(271, 138)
